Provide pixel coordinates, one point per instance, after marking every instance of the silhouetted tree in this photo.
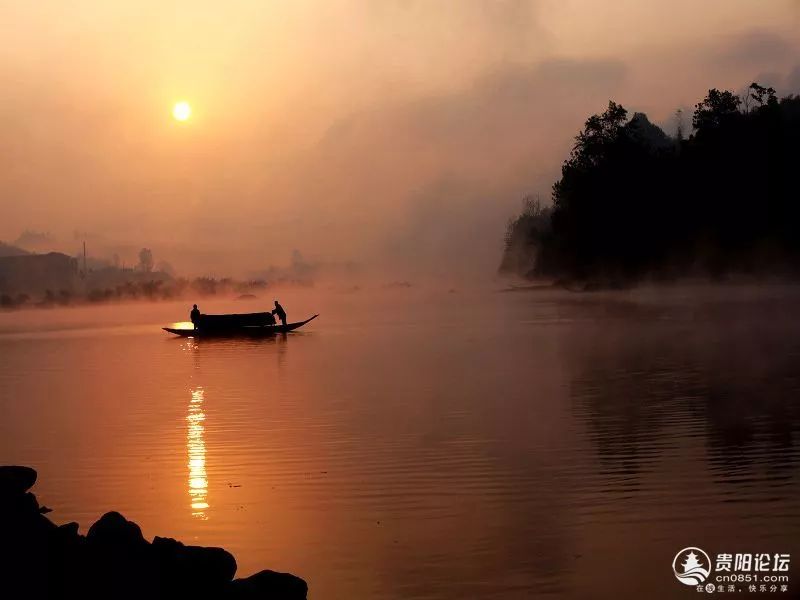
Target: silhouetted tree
(524, 234)
(762, 95)
(716, 109)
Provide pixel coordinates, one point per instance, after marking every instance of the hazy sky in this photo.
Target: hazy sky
(389, 132)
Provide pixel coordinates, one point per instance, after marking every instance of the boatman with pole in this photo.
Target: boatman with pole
(195, 316)
(280, 312)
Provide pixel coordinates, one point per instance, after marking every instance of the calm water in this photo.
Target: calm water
(419, 445)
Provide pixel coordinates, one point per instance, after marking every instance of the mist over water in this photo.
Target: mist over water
(418, 443)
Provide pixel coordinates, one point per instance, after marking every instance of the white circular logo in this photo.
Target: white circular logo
(691, 566)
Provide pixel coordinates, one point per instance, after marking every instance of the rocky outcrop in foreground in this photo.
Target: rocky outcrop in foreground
(39, 559)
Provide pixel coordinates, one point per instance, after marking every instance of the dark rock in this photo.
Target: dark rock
(216, 564)
(19, 505)
(70, 563)
(269, 585)
(200, 565)
(21, 514)
(28, 504)
(118, 561)
(70, 528)
(16, 480)
(114, 560)
(112, 529)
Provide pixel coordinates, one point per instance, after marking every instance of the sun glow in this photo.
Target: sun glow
(181, 111)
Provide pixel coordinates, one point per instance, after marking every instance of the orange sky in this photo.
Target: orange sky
(399, 132)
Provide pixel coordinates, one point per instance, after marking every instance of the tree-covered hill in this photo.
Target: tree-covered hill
(633, 203)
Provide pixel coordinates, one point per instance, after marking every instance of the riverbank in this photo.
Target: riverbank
(39, 559)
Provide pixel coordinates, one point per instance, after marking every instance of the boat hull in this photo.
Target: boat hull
(243, 331)
(235, 320)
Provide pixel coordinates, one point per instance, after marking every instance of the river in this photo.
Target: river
(422, 444)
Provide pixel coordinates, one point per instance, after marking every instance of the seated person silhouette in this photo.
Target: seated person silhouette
(278, 310)
(194, 316)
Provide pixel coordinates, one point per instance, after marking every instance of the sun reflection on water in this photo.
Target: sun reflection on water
(196, 447)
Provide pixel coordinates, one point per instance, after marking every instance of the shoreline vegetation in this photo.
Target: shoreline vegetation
(54, 279)
(635, 205)
(157, 288)
(39, 559)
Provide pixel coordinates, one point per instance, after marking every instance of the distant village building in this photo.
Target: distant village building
(37, 273)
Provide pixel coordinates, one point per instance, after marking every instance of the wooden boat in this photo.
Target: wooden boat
(236, 325)
(235, 320)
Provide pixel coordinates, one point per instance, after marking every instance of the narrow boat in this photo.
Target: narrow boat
(248, 325)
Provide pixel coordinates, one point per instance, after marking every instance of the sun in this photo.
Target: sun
(181, 111)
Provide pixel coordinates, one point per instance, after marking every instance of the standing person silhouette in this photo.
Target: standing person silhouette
(195, 316)
(280, 312)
